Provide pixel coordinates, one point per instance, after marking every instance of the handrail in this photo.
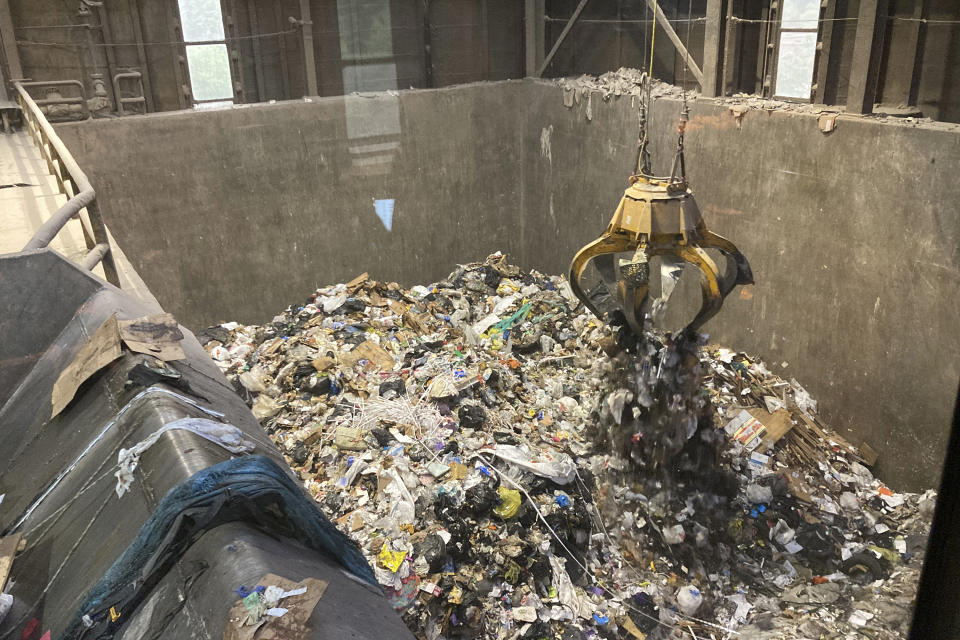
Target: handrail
(141, 99)
(81, 100)
(84, 197)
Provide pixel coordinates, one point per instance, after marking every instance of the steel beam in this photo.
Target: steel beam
(917, 39)
(254, 21)
(9, 41)
(711, 49)
(142, 54)
(824, 47)
(533, 11)
(563, 36)
(309, 62)
(427, 36)
(730, 37)
(867, 50)
(677, 42)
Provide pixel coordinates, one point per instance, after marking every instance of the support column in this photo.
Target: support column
(824, 48)
(917, 36)
(9, 41)
(711, 49)
(533, 27)
(867, 50)
(309, 63)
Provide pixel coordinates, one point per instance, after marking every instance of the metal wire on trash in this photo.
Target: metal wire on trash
(586, 570)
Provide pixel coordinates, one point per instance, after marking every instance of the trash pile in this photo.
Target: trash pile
(625, 81)
(513, 468)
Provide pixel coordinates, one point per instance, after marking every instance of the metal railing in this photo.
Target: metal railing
(140, 99)
(73, 183)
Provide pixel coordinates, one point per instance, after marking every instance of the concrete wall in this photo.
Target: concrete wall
(852, 235)
(236, 214)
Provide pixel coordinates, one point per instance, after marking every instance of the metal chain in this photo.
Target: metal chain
(679, 163)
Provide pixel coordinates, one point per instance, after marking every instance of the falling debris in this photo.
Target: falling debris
(513, 468)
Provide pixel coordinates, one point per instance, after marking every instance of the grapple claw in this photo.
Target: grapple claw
(657, 217)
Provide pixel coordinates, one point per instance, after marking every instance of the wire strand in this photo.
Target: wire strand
(586, 570)
(622, 21)
(158, 44)
(932, 21)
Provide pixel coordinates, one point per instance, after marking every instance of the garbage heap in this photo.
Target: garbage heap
(513, 468)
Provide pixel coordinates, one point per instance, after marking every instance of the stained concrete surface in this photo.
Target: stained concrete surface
(852, 235)
(236, 214)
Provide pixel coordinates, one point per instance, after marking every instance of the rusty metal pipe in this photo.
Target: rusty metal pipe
(96, 254)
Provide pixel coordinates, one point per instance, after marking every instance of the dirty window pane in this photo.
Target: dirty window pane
(365, 29)
(209, 71)
(210, 106)
(800, 14)
(369, 77)
(201, 20)
(795, 64)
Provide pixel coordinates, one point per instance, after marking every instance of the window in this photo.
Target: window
(797, 49)
(209, 64)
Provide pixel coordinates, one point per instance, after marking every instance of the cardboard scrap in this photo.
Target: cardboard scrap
(8, 549)
(777, 424)
(746, 430)
(417, 322)
(349, 439)
(370, 351)
(355, 284)
(458, 471)
(314, 435)
(294, 623)
(632, 628)
(868, 454)
(323, 363)
(101, 349)
(158, 336)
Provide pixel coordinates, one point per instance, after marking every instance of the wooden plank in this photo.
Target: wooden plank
(711, 48)
(867, 50)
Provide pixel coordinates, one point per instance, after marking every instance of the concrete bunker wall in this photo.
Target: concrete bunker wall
(235, 214)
